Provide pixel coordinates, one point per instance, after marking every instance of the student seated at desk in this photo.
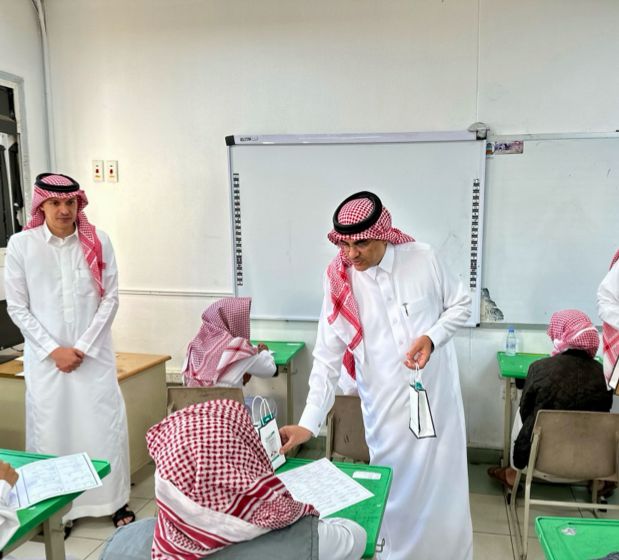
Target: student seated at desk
(570, 379)
(219, 498)
(8, 517)
(221, 354)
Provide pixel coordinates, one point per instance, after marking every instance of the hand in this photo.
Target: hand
(293, 436)
(8, 473)
(262, 346)
(67, 359)
(419, 352)
(246, 378)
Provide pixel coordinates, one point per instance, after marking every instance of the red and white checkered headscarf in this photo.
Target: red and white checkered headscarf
(222, 340)
(610, 339)
(89, 240)
(214, 483)
(572, 329)
(342, 297)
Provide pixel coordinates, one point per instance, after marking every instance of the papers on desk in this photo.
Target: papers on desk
(323, 485)
(48, 478)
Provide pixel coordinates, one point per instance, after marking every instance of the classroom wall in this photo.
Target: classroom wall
(157, 84)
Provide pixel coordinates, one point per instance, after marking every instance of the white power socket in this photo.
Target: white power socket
(111, 171)
(97, 170)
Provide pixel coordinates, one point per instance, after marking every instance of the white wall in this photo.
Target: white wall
(21, 56)
(157, 84)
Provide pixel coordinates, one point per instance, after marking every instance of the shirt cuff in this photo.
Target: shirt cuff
(5, 488)
(88, 349)
(438, 335)
(312, 418)
(44, 350)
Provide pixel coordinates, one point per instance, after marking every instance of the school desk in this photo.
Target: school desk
(284, 354)
(510, 369)
(577, 538)
(142, 380)
(368, 513)
(46, 516)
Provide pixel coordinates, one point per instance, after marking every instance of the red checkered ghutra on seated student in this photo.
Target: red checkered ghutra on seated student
(221, 354)
(219, 498)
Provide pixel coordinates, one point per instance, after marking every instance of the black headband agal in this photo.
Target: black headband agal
(74, 186)
(351, 229)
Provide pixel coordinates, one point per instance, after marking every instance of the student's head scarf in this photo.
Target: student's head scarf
(610, 338)
(361, 216)
(571, 329)
(222, 340)
(52, 185)
(214, 483)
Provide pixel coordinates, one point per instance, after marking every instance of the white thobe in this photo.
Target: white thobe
(608, 304)
(261, 364)
(407, 295)
(52, 297)
(8, 517)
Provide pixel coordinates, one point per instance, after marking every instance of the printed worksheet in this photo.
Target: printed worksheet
(53, 477)
(323, 485)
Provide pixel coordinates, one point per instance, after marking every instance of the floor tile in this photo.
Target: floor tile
(79, 548)
(489, 514)
(492, 547)
(481, 483)
(96, 553)
(144, 483)
(101, 527)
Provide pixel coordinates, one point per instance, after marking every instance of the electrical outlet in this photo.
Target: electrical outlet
(97, 170)
(111, 171)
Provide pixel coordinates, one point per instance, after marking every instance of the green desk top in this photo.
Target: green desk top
(283, 352)
(30, 517)
(517, 366)
(576, 538)
(368, 513)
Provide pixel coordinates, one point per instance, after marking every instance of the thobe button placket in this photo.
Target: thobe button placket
(67, 272)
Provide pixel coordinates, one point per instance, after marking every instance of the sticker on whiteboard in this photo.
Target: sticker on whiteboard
(366, 475)
(513, 147)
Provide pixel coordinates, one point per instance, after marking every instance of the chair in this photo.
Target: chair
(180, 397)
(345, 430)
(568, 447)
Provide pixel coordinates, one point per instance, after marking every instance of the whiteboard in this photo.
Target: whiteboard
(283, 197)
(552, 226)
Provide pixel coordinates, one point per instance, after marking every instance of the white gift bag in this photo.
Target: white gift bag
(421, 422)
(266, 426)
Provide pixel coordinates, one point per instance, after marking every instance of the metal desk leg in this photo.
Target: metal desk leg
(507, 422)
(53, 533)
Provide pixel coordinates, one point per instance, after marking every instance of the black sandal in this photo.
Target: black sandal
(122, 514)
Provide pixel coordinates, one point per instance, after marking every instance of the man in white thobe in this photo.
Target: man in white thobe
(62, 292)
(390, 307)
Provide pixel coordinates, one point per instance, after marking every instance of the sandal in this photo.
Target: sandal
(119, 519)
(500, 474)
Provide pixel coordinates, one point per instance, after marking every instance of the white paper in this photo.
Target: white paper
(323, 485)
(44, 479)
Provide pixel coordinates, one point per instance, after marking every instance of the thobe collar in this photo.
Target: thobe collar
(385, 264)
(54, 239)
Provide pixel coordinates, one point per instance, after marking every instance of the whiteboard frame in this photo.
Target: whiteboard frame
(362, 138)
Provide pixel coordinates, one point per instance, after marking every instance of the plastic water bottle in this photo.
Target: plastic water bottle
(511, 342)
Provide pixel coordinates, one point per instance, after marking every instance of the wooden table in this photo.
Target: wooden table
(142, 381)
(46, 516)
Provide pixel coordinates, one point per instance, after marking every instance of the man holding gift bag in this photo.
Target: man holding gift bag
(389, 307)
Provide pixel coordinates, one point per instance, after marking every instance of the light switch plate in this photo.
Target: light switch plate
(97, 170)
(111, 171)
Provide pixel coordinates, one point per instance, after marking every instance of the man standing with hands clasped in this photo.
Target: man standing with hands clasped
(62, 292)
(390, 307)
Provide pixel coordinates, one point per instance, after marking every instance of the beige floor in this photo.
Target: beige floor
(492, 539)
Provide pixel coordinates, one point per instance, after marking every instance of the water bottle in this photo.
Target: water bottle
(511, 342)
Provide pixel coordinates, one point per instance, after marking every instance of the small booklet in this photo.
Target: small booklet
(48, 478)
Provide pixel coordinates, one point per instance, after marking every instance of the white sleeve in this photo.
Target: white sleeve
(102, 321)
(608, 297)
(263, 365)
(456, 305)
(328, 354)
(18, 302)
(8, 518)
(340, 539)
